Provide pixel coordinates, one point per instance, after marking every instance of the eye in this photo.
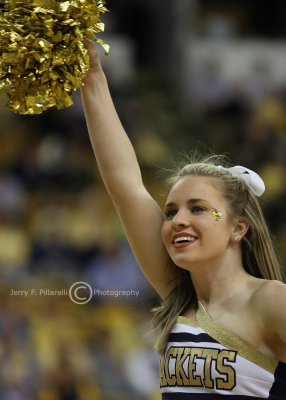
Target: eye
(170, 213)
(197, 210)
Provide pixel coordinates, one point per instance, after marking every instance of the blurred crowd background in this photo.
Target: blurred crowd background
(183, 74)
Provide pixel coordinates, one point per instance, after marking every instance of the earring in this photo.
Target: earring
(235, 238)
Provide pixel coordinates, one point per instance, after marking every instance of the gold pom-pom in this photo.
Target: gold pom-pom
(42, 56)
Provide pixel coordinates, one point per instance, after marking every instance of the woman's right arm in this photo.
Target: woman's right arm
(139, 213)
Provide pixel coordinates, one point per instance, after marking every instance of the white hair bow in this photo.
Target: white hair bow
(251, 178)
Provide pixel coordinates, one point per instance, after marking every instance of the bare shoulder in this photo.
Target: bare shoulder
(269, 294)
(269, 305)
(269, 298)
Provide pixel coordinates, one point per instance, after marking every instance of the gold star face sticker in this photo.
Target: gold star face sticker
(217, 214)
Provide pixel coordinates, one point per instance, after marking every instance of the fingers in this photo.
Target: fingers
(95, 63)
(88, 44)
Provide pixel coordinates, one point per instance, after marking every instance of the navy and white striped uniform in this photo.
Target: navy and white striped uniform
(204, 361)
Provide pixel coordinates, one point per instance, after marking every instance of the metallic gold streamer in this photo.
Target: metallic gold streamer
(42, 56)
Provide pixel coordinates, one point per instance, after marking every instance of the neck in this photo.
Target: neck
(219, 280)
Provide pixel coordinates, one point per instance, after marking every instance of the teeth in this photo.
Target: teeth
(184, 239)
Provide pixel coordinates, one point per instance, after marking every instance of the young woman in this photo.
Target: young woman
(210, 258)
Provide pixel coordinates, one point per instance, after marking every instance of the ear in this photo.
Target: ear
(241, 226)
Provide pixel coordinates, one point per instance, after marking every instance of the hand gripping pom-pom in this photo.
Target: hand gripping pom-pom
(42, 56)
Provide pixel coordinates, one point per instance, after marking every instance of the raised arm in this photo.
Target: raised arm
(140, 214)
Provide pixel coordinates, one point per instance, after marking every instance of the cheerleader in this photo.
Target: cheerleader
(209, 256)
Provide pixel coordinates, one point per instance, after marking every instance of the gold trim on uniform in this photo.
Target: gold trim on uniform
(231, 341)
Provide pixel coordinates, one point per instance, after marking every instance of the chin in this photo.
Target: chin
(187, 264)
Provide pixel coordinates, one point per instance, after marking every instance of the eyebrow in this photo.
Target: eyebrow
(190, 201)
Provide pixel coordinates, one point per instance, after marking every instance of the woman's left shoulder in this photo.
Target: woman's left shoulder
(269, 293)
(269, 303)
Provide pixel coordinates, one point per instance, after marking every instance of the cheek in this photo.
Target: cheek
(206, 224)
(213, 229)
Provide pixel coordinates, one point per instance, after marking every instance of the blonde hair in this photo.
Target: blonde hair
(260, 258)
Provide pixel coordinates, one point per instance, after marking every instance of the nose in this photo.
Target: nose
(181, 219)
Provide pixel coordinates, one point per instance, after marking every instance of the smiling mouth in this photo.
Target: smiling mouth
(183, 241)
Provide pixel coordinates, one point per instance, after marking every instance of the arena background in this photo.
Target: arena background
(183, 74)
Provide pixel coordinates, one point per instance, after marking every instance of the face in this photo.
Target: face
(196, 229)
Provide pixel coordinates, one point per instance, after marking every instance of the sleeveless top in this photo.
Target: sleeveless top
(204, 361)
